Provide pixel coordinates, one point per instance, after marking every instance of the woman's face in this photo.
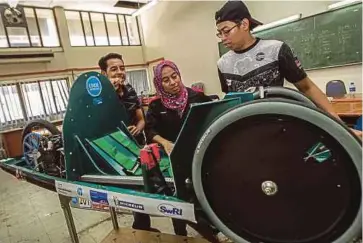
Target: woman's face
(170, 80)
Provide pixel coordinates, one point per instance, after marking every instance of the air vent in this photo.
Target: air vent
(129, 4)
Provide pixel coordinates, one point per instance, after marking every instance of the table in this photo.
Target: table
(348, 108)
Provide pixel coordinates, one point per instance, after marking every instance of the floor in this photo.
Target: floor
(31, 214)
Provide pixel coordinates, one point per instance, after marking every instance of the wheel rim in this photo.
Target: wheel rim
(31, 145)
(267, 227)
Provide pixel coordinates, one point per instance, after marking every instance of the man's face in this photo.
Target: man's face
(233, 34)
(170, 81)
(116, 72)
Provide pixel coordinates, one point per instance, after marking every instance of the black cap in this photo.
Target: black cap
(235, 11)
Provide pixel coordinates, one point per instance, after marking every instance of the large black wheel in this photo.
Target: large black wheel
(276, 171)
(39, 124)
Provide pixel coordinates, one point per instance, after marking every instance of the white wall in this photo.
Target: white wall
(185, 33)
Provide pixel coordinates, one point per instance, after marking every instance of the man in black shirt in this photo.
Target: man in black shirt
(113, 67)
(253, 62)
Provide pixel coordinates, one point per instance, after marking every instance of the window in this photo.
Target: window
(10, 109)
(102, 29)
(133, 30)
(32, 26)
(75, 29)
(138, 80)
(99, 29)
(88, 31)
(113, 30)
(20, 102)
(123, 29)
(48, 29)
(40, 30)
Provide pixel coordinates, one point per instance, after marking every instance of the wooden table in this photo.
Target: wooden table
(349, 108)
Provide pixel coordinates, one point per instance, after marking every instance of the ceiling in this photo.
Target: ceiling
(87, 5)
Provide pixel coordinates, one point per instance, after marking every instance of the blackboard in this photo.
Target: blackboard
(332, 38)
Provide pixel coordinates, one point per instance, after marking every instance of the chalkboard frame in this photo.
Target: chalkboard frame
(221, 47)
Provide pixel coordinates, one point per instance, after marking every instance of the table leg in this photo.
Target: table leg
(64, 201)
(114, 218)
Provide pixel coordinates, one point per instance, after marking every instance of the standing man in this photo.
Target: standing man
(113, 67)
(253, 62)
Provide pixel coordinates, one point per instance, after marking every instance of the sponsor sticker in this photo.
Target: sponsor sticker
(79, 191)
(131, 205)
(98, 197)
(84, 203)
(170, 210)
(93, 86)
(64, 189)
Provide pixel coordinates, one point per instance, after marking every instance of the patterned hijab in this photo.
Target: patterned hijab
(176, 102)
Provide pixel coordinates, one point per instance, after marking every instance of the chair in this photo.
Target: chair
(358, 125)
(335, 88)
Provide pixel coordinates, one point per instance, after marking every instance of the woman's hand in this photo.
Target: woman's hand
(168, 146)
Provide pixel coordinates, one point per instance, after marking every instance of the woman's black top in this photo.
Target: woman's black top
(166, 122)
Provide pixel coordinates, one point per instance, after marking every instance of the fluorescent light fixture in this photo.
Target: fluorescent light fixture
(277, 23)
(144, 8)
(342, 3)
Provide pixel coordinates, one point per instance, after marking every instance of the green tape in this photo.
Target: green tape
(123, 139)
(116, 152)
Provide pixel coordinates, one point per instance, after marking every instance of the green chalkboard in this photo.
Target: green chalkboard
(332, 38)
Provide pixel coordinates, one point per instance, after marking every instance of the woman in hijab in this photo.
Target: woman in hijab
(166, 115)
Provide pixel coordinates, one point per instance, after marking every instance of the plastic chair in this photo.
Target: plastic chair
(358, 125)
(335, 88)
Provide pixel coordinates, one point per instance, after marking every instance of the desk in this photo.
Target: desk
(348, 108)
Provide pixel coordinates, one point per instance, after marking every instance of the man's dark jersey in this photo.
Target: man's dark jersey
(131, 102)
(265, 63)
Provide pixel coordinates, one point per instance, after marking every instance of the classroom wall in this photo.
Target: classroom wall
(69, 57)
(275, 10)
(185, 33)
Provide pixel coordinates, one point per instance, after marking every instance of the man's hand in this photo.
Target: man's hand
(357, 133)
(168, 146)
(134, 130)
(117, 83)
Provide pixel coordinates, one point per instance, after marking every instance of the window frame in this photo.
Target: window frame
(38, 30)
(118, 18)
(50, 113)
(148, 81)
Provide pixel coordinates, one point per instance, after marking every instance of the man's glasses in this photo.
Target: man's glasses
(226, 32)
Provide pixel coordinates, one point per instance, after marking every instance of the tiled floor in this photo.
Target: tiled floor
(32, 214)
